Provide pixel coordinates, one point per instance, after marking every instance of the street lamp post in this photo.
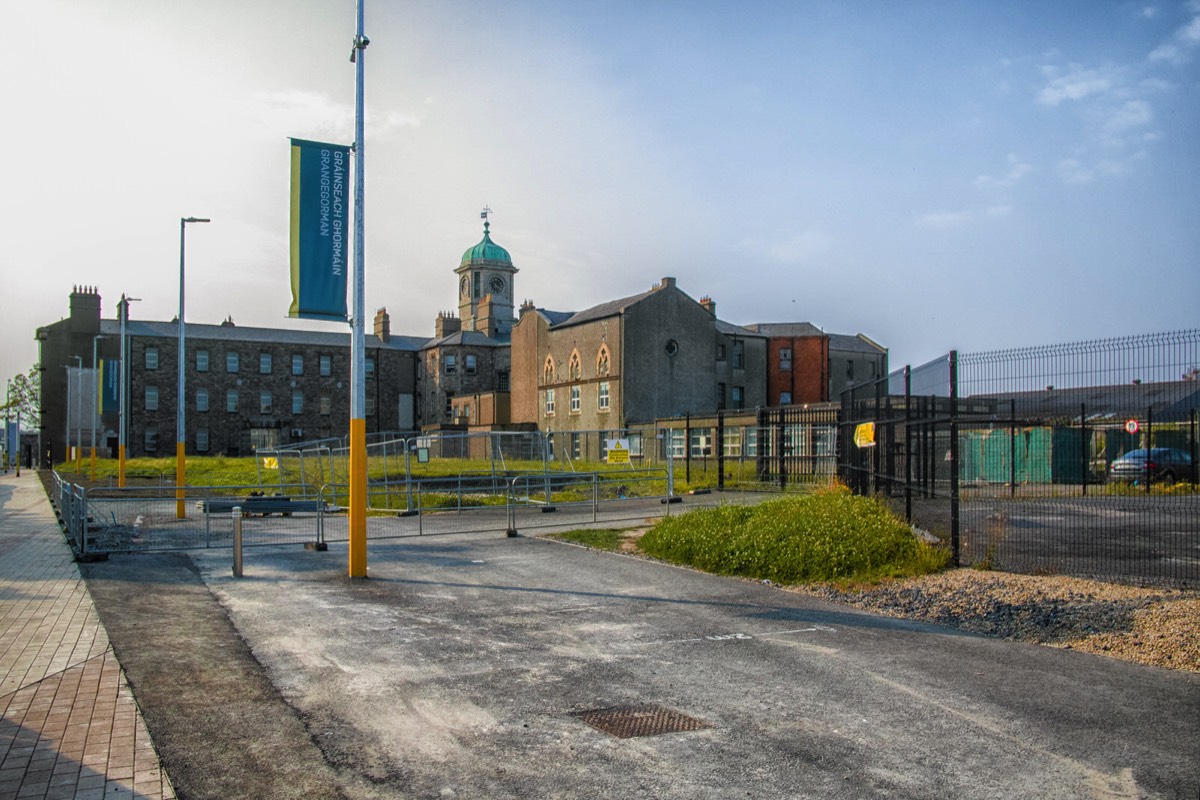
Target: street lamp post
(78, 414)
(180, 428)
(123, 313)
(7, 440)
(95, 401)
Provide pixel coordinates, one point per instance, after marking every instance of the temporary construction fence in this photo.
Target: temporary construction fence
(1009, 455)
(143, 519)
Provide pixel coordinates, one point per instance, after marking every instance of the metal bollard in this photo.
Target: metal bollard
(237, 541)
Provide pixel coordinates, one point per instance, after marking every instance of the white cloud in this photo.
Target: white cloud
(999, 211)
(801, 248)
(1017, 170)
(944, 219)
(1179, 49)
(1076, 84)
(311, 114)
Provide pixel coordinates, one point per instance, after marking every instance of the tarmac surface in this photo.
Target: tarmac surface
(480, 666)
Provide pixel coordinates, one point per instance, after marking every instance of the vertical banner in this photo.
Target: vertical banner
(318, 230)
(110, 385)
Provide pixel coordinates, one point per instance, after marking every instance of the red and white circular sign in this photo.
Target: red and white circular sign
(1131, 426)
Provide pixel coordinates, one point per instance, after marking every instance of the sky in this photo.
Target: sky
(934, 175)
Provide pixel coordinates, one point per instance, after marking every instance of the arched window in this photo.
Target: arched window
(548, 371)
(602, 361)
(575, 366)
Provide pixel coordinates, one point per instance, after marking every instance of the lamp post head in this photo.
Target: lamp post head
(194, 219)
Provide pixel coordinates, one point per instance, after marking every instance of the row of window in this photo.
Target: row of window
(576, 398)
(450, 364)
(739, 354)
(575, 366)
(265, 363)
(266, 401)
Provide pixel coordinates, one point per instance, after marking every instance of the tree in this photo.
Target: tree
(24, 395)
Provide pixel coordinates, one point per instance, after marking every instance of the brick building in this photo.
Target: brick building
(807, 365)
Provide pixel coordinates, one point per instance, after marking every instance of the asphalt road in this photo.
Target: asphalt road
(465, 667)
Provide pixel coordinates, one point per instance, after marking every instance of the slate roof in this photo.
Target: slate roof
(785, 329)
(236, 333)
(603, 311)
(729, 329)
(1171, 401)
(468, 338)
(855, 344)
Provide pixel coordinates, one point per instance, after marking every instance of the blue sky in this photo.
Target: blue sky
(932, 174)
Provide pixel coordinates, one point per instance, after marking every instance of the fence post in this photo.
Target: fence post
(720, 450)
(1012, 449)
(237, 541)
(908, 443)
(1084, 458)
(955, 543)
(687, 447)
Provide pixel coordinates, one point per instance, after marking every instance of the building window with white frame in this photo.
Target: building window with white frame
(264, 402)
(151, 358)
(231, 361)
(738, 397)
(326, 364)
(202, 440)
(297, 402)
(369, 405)
(231, 400)
(575, 399)
(326, 404)
(450, 363)
(739, 355)
(602, 396)
(297, 364)
(150, 440)
(264, 363)
(470, 364)
(369, 367)
(201, 399)
(152, 398)
(785, 358)
(549, 402)
(201, 361)
(785, 398)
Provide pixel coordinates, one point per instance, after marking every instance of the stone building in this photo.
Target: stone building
(652, 355)
(245, 388)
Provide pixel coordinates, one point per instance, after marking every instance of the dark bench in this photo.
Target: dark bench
(285, 506)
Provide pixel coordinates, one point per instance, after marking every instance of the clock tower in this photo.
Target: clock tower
(485, 287)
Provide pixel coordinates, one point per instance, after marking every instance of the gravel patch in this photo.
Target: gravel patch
(1155, 626)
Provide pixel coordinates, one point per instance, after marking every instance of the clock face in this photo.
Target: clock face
(496, 284)
(464, 285)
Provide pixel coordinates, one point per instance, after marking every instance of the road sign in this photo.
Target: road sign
(1131, 426)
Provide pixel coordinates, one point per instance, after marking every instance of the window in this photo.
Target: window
(574, 366)
(720, 352)
(202, 399)
(603, 362)
(264, 402)
(738, 396)
(152, 398)
(576, 441)
(785, 398)
(549, 402)
(733, 442)
(469, 364)
(785, 358)
(602, 396)
(751, 442)
(151, 440)
(326, 365)
(297, 402)
(451, 364)
(720, 396)
(369, 367)
(264, 363)
(231, 400)
(151, 358)
(449, 410)
(548, 371)
(297, 364)
(502, 381)
(739, 356)
(370, 405)
(201, 361)
(575, 402)
(849, 369)
(231, 362)
(202, 440)
(326, 404)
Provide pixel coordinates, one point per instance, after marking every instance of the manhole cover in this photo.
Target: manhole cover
(626, 722)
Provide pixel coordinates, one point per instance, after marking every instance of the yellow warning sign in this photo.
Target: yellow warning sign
(270, 462)
(618, 451)
(864, 434)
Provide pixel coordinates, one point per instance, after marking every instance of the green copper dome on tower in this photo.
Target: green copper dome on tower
(486, 250)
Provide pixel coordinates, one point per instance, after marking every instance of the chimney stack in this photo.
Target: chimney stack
(383, 325)
(709, 305)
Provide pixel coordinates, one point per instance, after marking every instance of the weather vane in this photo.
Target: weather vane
(483, 215)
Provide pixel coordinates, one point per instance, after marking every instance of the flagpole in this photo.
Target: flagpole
(358, 397)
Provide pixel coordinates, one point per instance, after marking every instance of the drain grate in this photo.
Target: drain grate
(626, 722)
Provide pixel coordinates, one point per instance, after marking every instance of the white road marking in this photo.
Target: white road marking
(726, 637)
